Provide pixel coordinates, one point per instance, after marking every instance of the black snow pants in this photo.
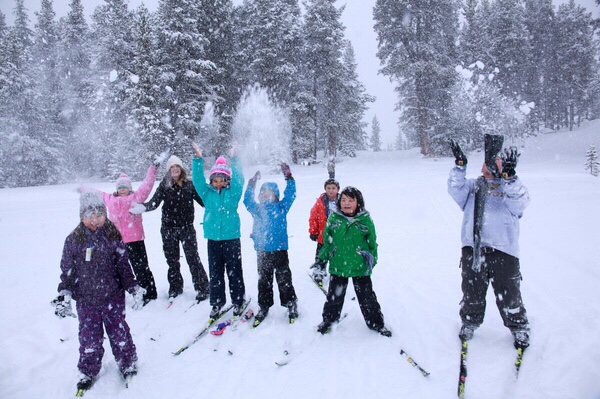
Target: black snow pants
(367, 300)
(138, 258)
(503, 271)
(269, 263)
(171, 237)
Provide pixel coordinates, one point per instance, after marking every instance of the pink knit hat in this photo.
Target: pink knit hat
(124, 181)
(220, 167)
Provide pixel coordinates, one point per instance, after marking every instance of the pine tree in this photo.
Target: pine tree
(49, 99)
(323, 36)
(354, 105)
(416, 42)
(576, 51)
(21, 148)
(216, 25)
(74, 65)
(183, 72)
(147, 116)
(592, 163)
(375, 135)
(510, 47)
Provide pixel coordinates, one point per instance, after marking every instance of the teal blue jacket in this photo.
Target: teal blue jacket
(221, 218)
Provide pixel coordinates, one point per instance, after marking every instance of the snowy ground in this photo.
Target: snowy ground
(417, 281)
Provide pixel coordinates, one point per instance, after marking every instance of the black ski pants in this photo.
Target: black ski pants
(504, 272)
(367, 300)
(226, 256)
(138, 258)
(185, 235)
(277, 263)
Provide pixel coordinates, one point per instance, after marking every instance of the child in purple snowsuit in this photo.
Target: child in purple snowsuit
(96, 273)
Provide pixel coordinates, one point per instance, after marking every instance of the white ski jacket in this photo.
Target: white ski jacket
(505, 202)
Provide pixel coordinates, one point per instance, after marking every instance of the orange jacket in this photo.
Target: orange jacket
(318, 217)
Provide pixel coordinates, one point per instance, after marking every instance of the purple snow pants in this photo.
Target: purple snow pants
(92, 322)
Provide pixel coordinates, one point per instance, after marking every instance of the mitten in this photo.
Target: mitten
(62, 306)
(285, 169)
(459, 156)
(510, 157)
(137, 209)
(160, 158)
(314, 237)
(138, 297)
(252, 181)
(369, 260)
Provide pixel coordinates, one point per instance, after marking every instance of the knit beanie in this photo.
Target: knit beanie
(124, 181)
(174, 160)
(91, 202)
(220, 167)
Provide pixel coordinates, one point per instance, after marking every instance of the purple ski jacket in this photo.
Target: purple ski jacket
(107, 273)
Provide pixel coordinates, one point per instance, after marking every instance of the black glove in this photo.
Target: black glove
(314, 237)
(459, 155)
(287, 173)
(510, 157)
(252, 182)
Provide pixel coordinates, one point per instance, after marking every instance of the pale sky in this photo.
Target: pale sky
(357, 16)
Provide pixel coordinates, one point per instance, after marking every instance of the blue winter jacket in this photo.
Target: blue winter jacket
(504, 205)
(269, 230)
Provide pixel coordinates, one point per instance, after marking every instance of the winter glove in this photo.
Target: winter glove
(368, 259)
(314, 237)
(138, 297)
(160, 158)
(62, 306)
(252, 182)
(287, 173)
(137, 209)
(510, 157)
(459, 155)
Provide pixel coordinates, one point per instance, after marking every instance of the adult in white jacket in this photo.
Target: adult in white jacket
(492, 206)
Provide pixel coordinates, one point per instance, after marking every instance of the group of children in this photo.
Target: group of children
(95, 262)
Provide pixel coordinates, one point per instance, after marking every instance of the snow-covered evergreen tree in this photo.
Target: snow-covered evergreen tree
(74, 65)
(591, 162)
(354, 106)
(416, 42)
(576, 51)
(183, 72)
(324, 41)
(216, 25)
(50, 127)
(375, 135)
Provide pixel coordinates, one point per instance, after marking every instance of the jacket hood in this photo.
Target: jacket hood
(270, 186)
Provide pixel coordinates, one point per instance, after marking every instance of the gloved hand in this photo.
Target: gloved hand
(162, 157)
(285, 169)
(62, 306)
(459, 155)
(368, 259)
(137, 209)
(510, 157)
(138, 297)
(314, 237)
(252, 181)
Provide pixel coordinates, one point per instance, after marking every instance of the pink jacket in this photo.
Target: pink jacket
(129, 225)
